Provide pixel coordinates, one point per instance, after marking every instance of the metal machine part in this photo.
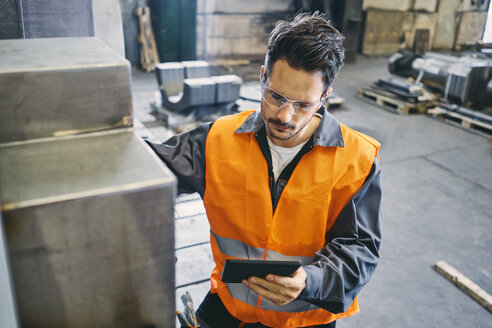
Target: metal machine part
(188, 84)
(488, 94)
(461, 78)
(170, 76)
(90, 231)
(88, 216)
(196, 69)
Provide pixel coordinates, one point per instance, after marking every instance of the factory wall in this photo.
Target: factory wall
(239, 29)
(448, 24)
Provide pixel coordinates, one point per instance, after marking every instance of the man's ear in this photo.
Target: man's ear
(262, 73)
(327, 93)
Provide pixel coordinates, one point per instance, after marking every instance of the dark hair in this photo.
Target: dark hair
(308, 42)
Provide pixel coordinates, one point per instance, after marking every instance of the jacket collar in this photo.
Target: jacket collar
(328, 133)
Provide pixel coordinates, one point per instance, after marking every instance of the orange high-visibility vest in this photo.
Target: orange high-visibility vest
(243, 225)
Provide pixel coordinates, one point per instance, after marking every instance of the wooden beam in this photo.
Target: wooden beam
(465, 284)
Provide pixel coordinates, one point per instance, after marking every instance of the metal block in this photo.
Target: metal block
(200, 91)
(90, 231)
(196, 92)
(227, 89)
(170, 76)
(196, 69)
(60, 86)
(75, 18)
(178, 93)
(467, 80)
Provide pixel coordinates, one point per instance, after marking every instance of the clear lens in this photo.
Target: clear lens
(277, 100)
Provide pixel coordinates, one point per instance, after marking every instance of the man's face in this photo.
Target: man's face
(287, 126)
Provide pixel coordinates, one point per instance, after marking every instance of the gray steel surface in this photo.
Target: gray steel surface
(196, 69)
(90, 232)
(198, 88)
(170, 76)
(44, 171)
(48, 18)
(462, 78)
(60, 86)
(196, 92)
(227, 88)
(75, 18)
(8, 309)
(108, 24)
(201, 91)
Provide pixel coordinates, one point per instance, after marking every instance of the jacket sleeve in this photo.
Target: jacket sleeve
(351, 254)
(184, 154)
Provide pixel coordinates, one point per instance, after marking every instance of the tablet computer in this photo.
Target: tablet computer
(238, 270)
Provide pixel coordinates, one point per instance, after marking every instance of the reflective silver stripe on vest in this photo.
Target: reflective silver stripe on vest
(272, 255)
(246, 295)
(294, 306)
(243, 293)
(236, 248)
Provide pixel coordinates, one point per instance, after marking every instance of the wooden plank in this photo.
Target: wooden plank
(465, 284)
(148, 48)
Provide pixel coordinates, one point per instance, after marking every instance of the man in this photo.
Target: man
(288, 182)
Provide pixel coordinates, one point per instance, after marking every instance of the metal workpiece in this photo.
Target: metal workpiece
(196, 92)
(89, 230)
(171, 76)
(201, 91)
(61, 86)
(461, 78)
(188, 84)
(228, 87)
(196, 69)
(488, 94)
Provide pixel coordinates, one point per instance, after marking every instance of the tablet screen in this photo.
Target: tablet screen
(237, 270)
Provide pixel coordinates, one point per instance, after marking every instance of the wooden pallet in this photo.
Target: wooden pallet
(461, 121)
(392, 104)
(334, 102)
(148, 49)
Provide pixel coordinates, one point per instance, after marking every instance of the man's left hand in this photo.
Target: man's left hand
(279, 290)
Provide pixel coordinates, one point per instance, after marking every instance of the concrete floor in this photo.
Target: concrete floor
(437, 205)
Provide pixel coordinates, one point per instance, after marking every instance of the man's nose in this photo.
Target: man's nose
(285, 113)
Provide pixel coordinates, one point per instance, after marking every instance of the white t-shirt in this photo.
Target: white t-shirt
(281, 156)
